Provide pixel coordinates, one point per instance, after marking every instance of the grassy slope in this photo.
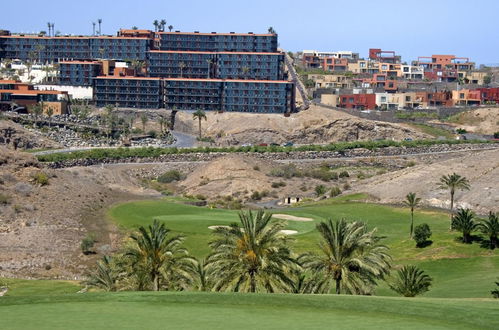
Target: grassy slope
(20, 287)
(135, 310)
(459, 270)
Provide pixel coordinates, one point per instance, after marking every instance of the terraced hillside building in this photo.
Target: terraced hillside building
(247, 68)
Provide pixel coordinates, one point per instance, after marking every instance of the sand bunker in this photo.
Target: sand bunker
(289, 232)
(284, 231)
(291, 217)
(215, 227)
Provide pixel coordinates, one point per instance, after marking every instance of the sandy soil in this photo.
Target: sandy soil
(316, 125)
(291, 217)
(483, 121)
(481, 168)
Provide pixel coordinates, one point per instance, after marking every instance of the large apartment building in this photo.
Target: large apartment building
(210, 71)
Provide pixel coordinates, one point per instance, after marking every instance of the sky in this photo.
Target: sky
(411, 28)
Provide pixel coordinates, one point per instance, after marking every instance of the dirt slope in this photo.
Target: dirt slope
(480, 168)
(240, 176)
(483, 120)
(41, 227)
(25, 138)
(316, 125)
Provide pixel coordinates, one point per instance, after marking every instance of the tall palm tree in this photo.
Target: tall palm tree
(271, 30)
(245, 70)
(105, 276)
(48, 25)
(182, 66)
(453, 182)
(170, 27)
(161, 256)
(464, 222)
(410, 281)
(352, 258)
(144, 119)
(490, 228)
(99, 21)
(252, 256)
(93, 28)
(156, 25)
(210, 63)
(412, 201)
(199, 115)
(162, 23)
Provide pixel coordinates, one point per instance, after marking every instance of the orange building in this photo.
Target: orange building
(26, 96)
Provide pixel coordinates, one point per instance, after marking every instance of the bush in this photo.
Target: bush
(287, 171)
(201, 197)
(421, 234)
(4, 199)
(322, 174)
(256, 168)
(152, 133)
(278, 184)
(496, 135)
(41, 178)
(87, 244)
(461, 131)
(335, 191)
(320, 190)
(346, 186)
(344, 174)
(170, 176)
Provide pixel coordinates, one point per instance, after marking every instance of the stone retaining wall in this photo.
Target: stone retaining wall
(194, 157)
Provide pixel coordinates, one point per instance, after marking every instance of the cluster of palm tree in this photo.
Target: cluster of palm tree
(160, 25)
(253, 255)
(464, 219)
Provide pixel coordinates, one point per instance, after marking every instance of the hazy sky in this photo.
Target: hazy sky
(411, 28)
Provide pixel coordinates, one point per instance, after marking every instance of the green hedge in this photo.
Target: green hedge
(120, 153)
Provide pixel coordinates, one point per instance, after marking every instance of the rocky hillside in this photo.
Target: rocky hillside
(481, 168)
(12, 133)
(316, 125)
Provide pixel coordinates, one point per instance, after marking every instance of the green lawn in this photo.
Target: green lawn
(21, 287)
(181, 310)
(459, 270)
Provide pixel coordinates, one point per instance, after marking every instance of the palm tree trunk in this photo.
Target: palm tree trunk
(412, 221)
(451, 207)
(200, 128)
(155, 282)
(252, 283)
(338, 286)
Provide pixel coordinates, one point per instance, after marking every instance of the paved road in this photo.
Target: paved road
(182, 141)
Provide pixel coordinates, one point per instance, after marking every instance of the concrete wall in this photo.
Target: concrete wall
(76, 92)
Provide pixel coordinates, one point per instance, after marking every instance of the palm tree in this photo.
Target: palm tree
(210, 63)
(93, 28)
(490, 228)
(156, 25)
(199, 115)
(50, 113)
(162, 24)
(453, 182)
(99, 21)
(144, 119)
(410, 281)
(464, 222)
(181, 65)
(203, 282)
(271, 30)
(161, 257)
(252, 256)
(352, 258)
(412, 201)
(105, 276)
(48, 25)
(37, 110)
(162, 124)
(170, 27)
(245, 70)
